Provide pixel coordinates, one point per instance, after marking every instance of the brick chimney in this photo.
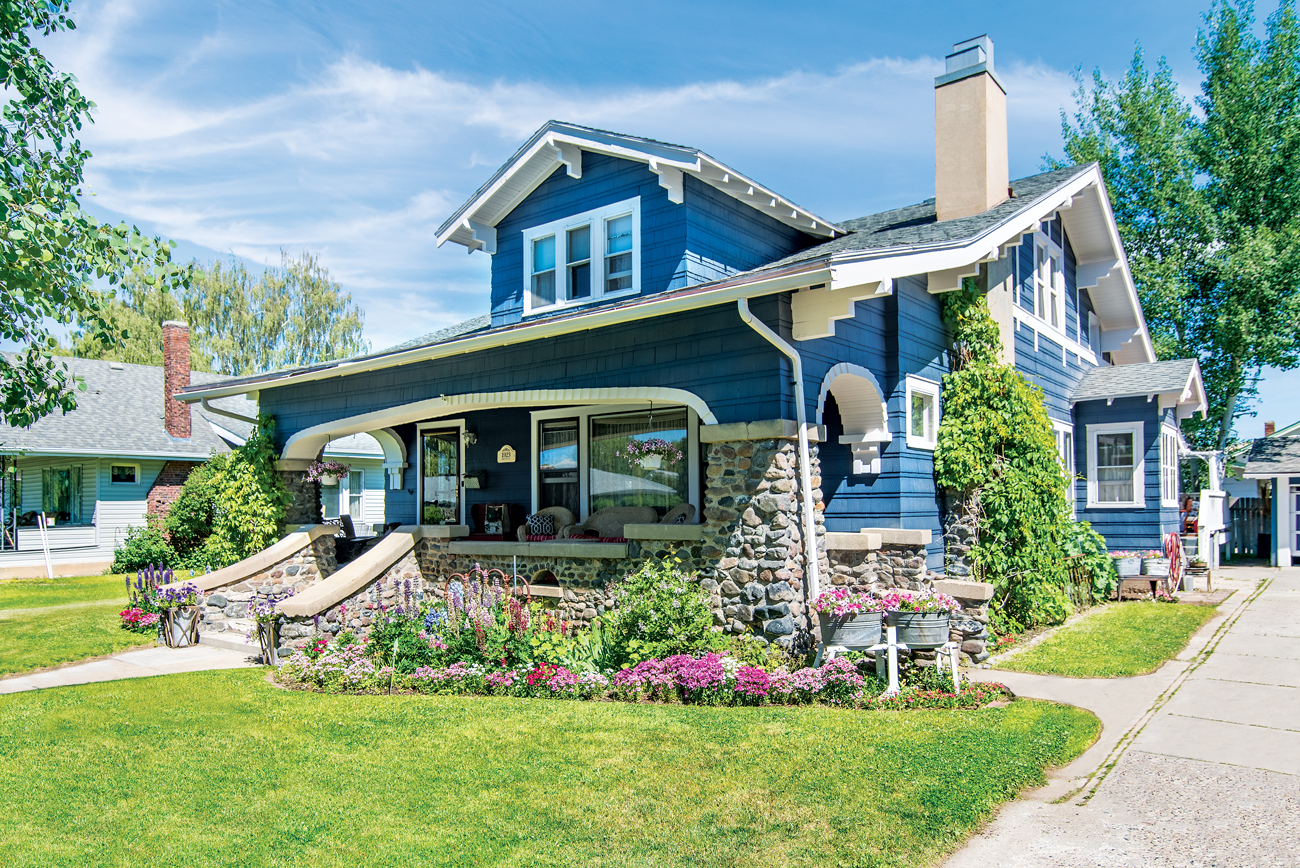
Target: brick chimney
(1269, 428)
(176, 376)
(970, 133)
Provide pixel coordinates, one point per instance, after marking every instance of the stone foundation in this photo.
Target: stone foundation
(304, 498)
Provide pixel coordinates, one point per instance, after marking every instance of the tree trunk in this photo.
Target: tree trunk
(1225, 421)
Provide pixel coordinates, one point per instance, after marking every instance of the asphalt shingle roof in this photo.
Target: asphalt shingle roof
(1119, 381)
(121, 412)
(1274, 456)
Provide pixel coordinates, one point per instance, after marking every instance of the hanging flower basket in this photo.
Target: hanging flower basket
(327, 472)
(649, 454)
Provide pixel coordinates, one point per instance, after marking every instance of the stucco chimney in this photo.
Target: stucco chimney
(970, 133)
(176, 376)
(1269, 428)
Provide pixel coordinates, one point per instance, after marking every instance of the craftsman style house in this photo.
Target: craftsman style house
(668, 340)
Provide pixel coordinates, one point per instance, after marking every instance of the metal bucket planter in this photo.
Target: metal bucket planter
(850, 631)
(268, 637)
(1128, 567)
(180, 626)
(1155, 567)
(920, 629)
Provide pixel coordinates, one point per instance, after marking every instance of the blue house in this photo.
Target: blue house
(782, 369)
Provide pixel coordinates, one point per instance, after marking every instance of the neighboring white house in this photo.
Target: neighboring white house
(120, 456)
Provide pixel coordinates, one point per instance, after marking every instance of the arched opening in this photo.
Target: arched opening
(859, 402)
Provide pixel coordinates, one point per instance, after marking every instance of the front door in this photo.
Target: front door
(440, 485)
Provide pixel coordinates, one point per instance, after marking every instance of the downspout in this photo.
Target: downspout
(811, 558)
(226, 413)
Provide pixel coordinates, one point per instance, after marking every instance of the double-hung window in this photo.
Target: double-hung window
(1168, 466)
(1049, 281)
(583, 258)
(1065, 448)
(1115, 465)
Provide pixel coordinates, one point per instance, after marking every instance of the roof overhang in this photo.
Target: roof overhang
(1187, 400)
(1102, 266)
(560, 144)
(856, 273)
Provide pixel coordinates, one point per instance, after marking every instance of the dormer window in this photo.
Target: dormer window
(583, 258)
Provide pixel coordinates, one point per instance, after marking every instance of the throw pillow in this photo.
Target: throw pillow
(680, 518)
(541, 525)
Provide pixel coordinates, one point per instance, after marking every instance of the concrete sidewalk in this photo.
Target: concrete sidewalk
(1198, 764)
(131, 664)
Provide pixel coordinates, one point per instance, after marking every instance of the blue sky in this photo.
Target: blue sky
(240, 128)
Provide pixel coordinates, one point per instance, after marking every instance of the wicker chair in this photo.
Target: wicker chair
(563, 521)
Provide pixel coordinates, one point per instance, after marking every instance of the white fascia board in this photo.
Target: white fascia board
(724, 292)
(121, 453)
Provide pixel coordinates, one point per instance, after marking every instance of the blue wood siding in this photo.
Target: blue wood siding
(891, 337)
(1025, 271)
(708, 352)
(1126, 528)
(707, 237)
(1071, 292)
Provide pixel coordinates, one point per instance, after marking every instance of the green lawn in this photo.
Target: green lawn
(36, 593)
(1121, 640)
(51, 638)
(221, 768)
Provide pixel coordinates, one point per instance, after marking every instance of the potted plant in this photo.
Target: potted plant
(1127, 564)
(921, 617)
(649, 453)
(180, 615)
(849, 619)
(266, 616)
(1154, 563)
(327, 472)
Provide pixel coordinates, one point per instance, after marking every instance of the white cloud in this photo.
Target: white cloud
(361, 162)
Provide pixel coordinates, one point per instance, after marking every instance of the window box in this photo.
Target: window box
(922, 405)
(1116, 469)
(583, 258)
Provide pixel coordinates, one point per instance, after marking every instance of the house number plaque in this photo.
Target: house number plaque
(506, 455)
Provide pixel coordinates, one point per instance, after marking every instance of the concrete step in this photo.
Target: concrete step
(230, 641)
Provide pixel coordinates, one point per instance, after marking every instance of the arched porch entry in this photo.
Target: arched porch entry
(485, 431)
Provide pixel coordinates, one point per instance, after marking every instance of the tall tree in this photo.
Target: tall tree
(1207, 206)
(240, 324)
(51, 251)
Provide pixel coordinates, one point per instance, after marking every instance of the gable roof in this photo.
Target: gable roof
(121, 414)
(557, 143)
(1181, 377)
(873, 249)
(1273, 456)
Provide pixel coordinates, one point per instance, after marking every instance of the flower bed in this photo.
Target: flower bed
(708, 679)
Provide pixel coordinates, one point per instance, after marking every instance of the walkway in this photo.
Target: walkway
(1198, 763)
(131, 664)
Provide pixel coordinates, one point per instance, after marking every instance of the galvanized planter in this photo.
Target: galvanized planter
(1128, 567)
(268, 637)
(861, 630)
(1155, 566)
(920, 629)
(180, 626)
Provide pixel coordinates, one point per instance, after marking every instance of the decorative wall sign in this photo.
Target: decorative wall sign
(506, 455)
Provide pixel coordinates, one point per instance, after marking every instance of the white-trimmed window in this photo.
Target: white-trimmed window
(922, 400)
(580, 460)
(583, 258)
(1049, 281)
(1065, 449)
(1115, 465)
(123, 474)
(1169, 466)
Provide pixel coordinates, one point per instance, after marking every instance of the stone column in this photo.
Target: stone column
(304, 498)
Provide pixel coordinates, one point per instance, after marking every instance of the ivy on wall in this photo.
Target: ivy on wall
(997, 458)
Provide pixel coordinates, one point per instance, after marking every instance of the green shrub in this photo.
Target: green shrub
(229, 508)
(661, 611)
(997, 455)
(143, 547)
(1081, 540)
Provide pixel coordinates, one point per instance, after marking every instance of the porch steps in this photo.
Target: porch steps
(231, 642)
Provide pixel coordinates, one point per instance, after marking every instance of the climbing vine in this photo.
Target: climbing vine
(997, 458)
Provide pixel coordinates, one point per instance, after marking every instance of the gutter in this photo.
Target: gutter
(811, 559)
(229, 415)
